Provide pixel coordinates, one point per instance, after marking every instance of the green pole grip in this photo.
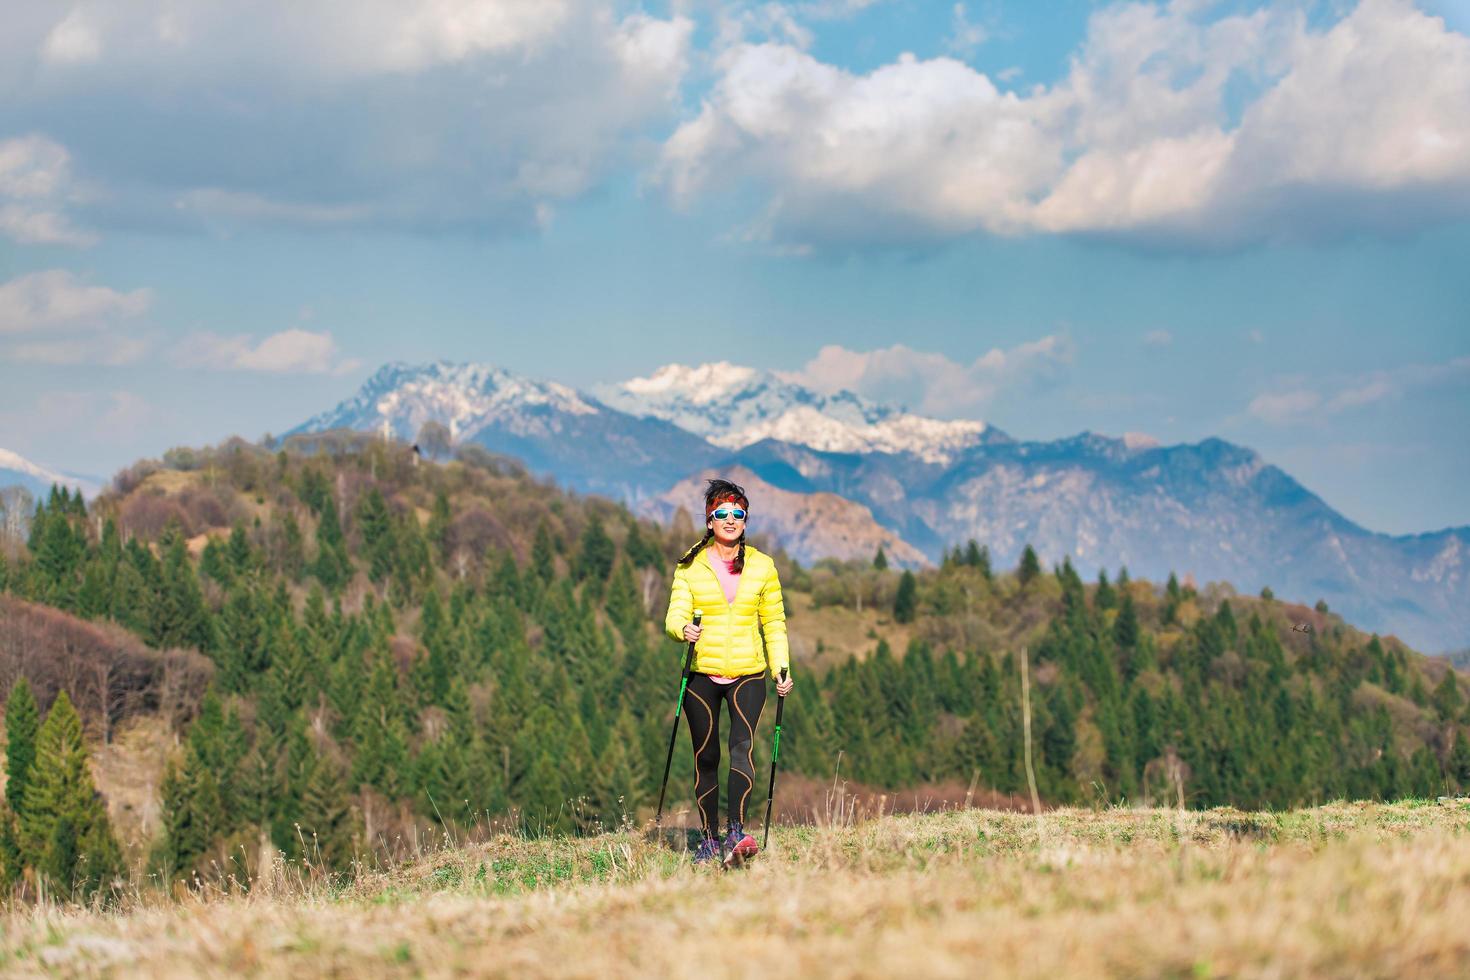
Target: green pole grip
(680, 706)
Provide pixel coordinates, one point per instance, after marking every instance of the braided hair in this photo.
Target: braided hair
(718, 492)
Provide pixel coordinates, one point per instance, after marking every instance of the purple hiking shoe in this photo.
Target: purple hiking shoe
(708, 848)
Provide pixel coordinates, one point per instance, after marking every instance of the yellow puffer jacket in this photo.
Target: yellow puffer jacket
(730, 643)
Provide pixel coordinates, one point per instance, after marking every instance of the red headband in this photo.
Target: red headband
(733, 498)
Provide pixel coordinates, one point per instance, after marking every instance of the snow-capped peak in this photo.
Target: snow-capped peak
(16, 468)
(734, 406)
(700, 384)
(400, 398)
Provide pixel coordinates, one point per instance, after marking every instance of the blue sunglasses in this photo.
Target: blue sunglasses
(725, 513)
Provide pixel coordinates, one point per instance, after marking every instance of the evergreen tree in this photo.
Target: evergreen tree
(178, 617)
(438, 530)
(191, 811)
(620, 778)
(214, 563)
(332, 567)
(543, 554)
(1447, 698)
(326, 817)
(64, 831)
(238, 552)
(22, 721)
(292, 560)
(978, 556)
(905, 602)
(880, 560)
(595, 554)
(1030, 566)
(1459, 763)
(12, 861)
(1125, 627)
(375, 525)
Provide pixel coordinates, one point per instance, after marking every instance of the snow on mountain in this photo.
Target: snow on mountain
(734, 406)
(466, 398)
(17, 470)
(553, 429)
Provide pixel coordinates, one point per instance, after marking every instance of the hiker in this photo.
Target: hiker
(742, 636)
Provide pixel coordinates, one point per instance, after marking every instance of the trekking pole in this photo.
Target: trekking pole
(775, 751)
(674, 735)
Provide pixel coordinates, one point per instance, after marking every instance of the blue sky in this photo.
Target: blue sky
(1189, 219)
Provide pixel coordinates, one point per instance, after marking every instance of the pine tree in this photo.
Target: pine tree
(214, 563)
(620, 778)
(178, 617)
(239, 553)
(1030, 566)
(880, 560)
(438, 530)
(1459, 764)
(326, 817)
(374, 523)
(292, 559)
(12, 861)
(332, 567)
(624, 603)
(22, 721)
(190, 810)
(1447, 698)
(543, 554)
(906, 601)
(64, 831)
(595, 554)
(1125, 627)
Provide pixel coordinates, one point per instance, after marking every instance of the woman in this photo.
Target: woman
(742, 635)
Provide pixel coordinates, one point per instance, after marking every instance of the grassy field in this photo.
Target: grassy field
(1341, 890)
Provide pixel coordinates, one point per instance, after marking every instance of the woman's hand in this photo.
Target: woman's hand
(691, 632)
(783, 688)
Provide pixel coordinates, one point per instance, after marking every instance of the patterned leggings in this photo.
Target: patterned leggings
(747, 698)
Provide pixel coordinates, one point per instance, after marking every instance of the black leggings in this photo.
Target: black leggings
(747, 697)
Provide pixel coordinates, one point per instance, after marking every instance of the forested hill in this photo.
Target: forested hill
(388, 643)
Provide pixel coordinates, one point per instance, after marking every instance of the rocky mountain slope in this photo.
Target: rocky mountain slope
(1211, 510)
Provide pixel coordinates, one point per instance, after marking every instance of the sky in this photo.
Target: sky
(1184, 219)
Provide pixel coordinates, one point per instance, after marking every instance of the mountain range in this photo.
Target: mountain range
(16, 470)
(842, 475)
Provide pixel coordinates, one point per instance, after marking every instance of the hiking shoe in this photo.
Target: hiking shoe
(739, 845)
(708, 848)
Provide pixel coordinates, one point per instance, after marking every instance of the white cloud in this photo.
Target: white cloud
(834, 9)
(292, 351)
(932, 383)
(110, 349)
(964, 35)
(56, 300)
(1362, 126)
(1282, 407)
(35, 187)
(444, 115)
(89, 418)
(1300, 403)
(74, 39)
(1158, 338)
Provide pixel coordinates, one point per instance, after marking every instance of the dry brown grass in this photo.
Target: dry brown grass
(844, 632)
(1349, 889)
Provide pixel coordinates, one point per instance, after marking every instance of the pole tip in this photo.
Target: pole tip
(698, 615)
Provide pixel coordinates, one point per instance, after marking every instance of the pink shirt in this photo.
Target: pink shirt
(730, 582)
